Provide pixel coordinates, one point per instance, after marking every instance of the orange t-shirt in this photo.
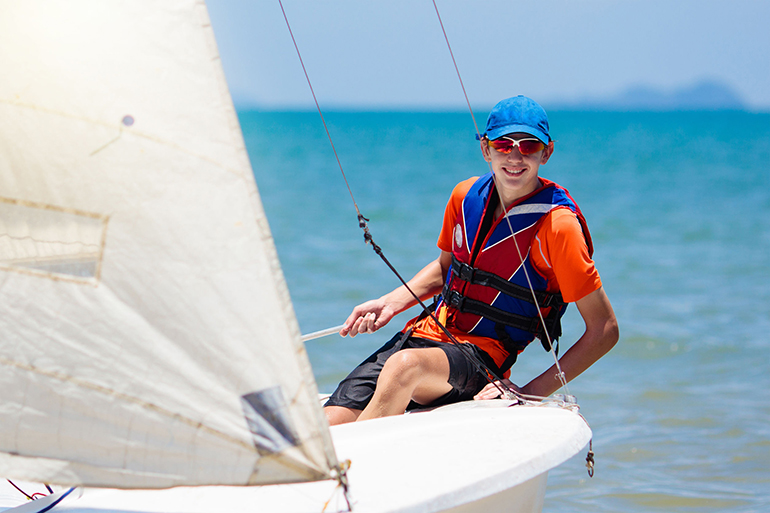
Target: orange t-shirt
(558, 252)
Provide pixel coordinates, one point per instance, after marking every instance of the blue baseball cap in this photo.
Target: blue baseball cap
(518, 114)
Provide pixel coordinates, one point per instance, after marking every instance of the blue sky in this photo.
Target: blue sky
(385, 54)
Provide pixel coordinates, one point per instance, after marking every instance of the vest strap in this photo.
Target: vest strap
(476, 276)
(496, 315)
(500, 317)
(510, 345)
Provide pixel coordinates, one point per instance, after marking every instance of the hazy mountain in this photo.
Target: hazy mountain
(703, 95)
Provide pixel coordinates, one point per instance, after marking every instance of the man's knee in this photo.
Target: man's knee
(411, 365)
(405, 365)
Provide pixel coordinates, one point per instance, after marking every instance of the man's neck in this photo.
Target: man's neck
(510, 199)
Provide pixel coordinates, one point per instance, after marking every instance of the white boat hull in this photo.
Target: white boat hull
(527, 497)
(469, 457)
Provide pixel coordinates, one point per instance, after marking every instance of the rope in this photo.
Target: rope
(490, 375)
(567, 400)
(505, 391)
(362, 222)
(560, 374)
(318, 107)
(457, 69)
(25, 494)
(320, 333)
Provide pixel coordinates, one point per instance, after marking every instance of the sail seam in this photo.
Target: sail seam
(128, 398)
(17, 264)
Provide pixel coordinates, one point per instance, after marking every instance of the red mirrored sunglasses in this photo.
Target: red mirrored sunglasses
(526, 146)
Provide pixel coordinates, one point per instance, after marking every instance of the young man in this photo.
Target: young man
(484, 276)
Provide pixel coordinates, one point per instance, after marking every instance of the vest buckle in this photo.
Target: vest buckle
(465, 272)
(455, 300)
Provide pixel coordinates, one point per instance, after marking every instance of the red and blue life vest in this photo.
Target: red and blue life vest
(488, 294)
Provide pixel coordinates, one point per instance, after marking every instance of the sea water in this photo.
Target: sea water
(679, 208)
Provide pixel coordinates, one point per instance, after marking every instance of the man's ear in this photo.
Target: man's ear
(547, 152)
(485, 149)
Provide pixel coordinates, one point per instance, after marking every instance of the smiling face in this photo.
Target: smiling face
(515, 174)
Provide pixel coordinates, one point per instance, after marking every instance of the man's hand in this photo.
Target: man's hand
(368, 317)
(493, 392)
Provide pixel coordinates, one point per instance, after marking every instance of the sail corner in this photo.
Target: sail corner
(267, 415)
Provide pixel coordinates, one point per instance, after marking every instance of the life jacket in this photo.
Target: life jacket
(490, 296)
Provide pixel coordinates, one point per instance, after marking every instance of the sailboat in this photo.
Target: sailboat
(150, 358)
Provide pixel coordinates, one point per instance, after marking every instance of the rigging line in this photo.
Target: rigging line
(477, 363)
(318, 107)
(480, 365)
(321, 333)
(560, 374)
(457, 69)
(19, 489)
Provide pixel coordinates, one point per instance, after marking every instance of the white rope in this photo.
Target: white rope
(321, 333)
(560, 374)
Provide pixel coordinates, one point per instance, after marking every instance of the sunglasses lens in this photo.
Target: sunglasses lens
(526, 147)
(501, 145)
(530, 147)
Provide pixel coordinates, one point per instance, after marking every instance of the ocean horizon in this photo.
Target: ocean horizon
(678, 204)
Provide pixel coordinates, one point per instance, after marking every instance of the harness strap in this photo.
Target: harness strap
(494, 314)
(510, 345)
(500, 317)
(476, 276)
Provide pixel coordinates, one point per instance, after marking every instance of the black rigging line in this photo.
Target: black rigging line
(480, 366)
(19, 489)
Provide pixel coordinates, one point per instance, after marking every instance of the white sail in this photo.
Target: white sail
(147, 338)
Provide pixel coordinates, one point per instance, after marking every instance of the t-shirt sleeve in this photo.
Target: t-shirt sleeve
(560, 252)
(452, 211)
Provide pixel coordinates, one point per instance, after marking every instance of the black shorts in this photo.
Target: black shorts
(356, 390)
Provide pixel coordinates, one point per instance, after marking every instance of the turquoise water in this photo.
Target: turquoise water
(679, 208)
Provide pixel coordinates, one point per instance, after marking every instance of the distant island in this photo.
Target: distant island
(703, 95)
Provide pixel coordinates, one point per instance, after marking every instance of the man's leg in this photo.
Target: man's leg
(341, 415)
(419, 374)
(356, 390)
